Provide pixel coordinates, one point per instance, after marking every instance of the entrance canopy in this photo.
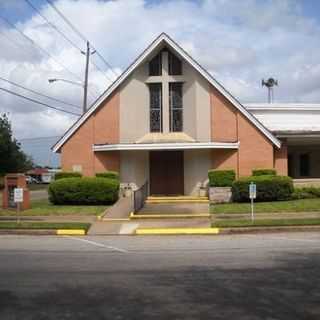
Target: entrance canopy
(166, 146)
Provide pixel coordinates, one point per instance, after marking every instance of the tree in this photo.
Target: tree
(12, 158)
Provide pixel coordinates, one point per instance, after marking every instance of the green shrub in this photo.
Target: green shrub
(108, 174)
(221, 178)
(264, 172)
(67, 174)
(84, 191)
(269, 188)
(306, 193)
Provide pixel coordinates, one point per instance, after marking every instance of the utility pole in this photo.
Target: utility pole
(87, 53)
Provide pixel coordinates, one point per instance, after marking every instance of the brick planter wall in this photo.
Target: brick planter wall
(220, 194)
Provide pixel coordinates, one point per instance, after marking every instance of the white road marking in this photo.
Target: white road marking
(294, 239)
(98, 244)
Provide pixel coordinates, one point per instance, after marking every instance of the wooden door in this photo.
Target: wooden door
(166, 173)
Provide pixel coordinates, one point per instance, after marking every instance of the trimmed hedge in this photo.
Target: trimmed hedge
(67, 174)
(108, 174)
(306, 193)
(269, 188)
(84, 191)
(221, 178)
(264, 172)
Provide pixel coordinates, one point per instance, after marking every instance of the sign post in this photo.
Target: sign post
(252, 196)
(18, 199)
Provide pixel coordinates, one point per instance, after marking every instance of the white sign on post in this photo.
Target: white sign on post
(18, 195)
(18, 198)
(252, 190)
(252, 196)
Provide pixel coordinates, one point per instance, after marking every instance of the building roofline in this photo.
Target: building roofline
(165, 146)
(164, 38)
(282, 106)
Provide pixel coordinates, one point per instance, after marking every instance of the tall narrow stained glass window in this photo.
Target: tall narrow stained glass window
(175, 65)
(176, 106)
(155, 107)
(155, 65)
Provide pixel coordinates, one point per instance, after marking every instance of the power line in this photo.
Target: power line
(45, 51)
(38, 93)
(79, 34)
(38, 102)
(53, 25)
(63, 35)
(40, 48)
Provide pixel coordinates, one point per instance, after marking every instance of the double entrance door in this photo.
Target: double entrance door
(166, 173)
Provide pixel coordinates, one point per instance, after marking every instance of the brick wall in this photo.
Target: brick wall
(101, 127)
(229, 125)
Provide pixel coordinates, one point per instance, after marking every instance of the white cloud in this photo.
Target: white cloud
(240, 42)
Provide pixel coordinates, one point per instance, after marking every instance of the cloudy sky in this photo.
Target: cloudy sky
(239, 42)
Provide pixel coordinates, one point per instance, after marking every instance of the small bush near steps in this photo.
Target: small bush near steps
(269, 188)
(67, 174)
(264, 172)
(108, 174)
(84, 191)
(221, 178)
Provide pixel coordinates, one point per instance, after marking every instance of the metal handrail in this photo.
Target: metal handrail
(139, 196)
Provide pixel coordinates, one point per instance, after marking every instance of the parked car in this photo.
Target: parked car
(31, 180)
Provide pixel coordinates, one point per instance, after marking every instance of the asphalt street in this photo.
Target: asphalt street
(265, 276)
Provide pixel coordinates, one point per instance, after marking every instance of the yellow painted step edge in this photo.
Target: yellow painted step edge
(164, 231)
(173, 216)
(78, 232)
(177, 198)
(177, 201)
(116, 219)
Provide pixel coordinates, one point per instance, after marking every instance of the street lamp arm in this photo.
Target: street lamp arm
(64, 80)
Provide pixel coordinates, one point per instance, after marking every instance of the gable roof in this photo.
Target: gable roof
(164, 39)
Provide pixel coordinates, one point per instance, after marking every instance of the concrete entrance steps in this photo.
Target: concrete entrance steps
(174, 208)
(169, 216)
(176, 199)
(174, 223)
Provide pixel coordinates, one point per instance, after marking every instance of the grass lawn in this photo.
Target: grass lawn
(38, 186)
(45, 208)
(269, 207)
(265, 223)
(44, 225)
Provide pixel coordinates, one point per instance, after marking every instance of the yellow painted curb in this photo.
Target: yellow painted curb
(169, 216)
(79, 232)
(116, 219)
(177, 198)
(176, 201)
(164, 231)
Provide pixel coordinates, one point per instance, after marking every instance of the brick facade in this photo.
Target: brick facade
(101, 127)
(255, 150)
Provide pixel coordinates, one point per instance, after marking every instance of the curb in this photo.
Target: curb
(31, 232)
(43, 232)
(64, 232)
(176, 231)
(244, 230)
